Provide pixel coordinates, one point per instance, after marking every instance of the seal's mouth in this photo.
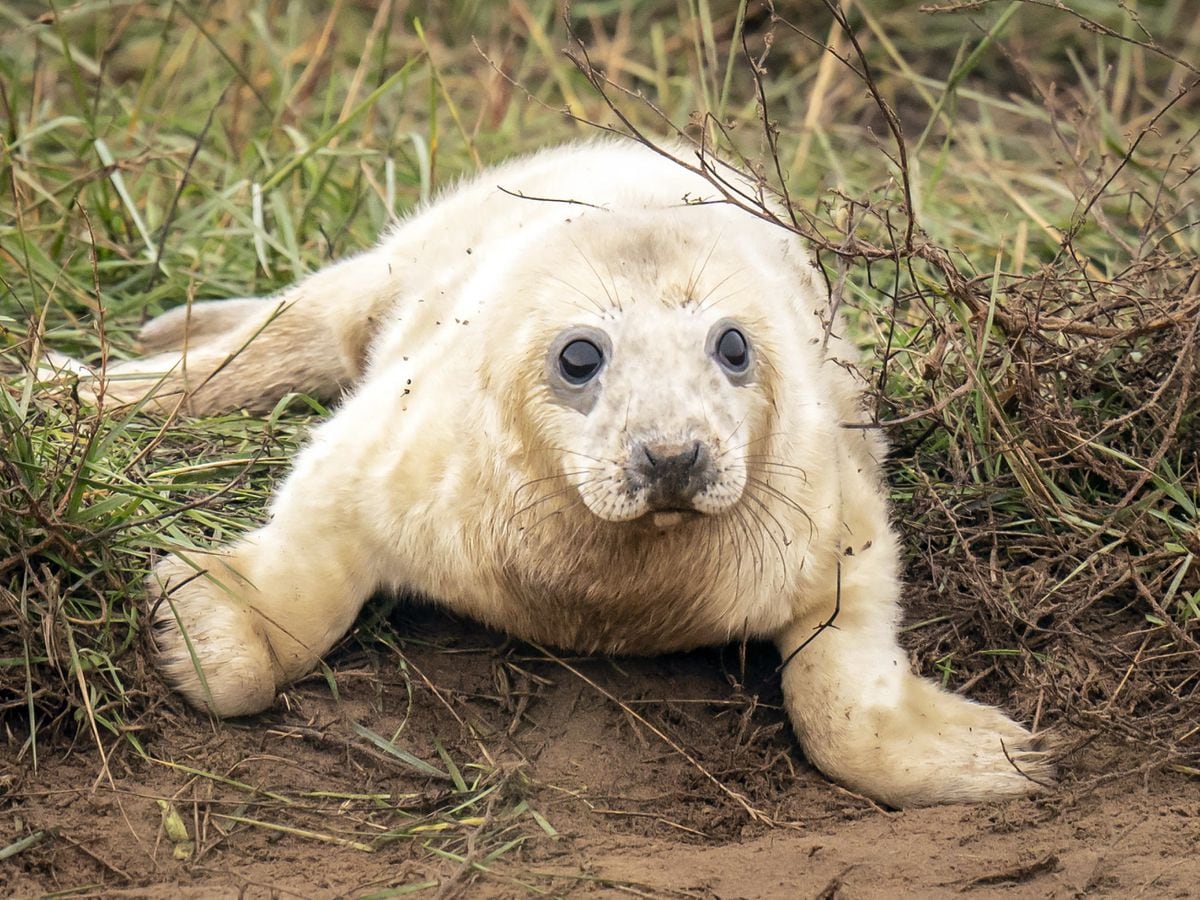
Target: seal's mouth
(670, 517)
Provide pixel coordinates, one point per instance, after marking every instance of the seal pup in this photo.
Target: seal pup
(592, 406)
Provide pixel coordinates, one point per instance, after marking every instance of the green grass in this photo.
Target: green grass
(1036, 336)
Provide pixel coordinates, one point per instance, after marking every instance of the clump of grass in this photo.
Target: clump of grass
(1002, 197)
(129, 194)
(81, 510)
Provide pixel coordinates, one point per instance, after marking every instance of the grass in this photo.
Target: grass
(1033, 335)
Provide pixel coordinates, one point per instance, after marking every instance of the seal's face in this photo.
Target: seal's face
(661, 399)
(658, 371)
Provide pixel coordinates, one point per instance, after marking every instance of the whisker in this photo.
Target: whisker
(540, 500)
(774, 460)
(766, 508)
(694, 277)
(756, 545)
(766, 470)
(765, 485)
(711, 534)
(600, 459)
(578, 501)
(771, 466)
(721, 299)
(701, 307)
(786, 500)
(596, 303)
(611, 301)
(765, 532)
(765, 437)
(737, 548)
(613, 281)
(534, 481)
(735, 431)
(553, 448)
(554, 512)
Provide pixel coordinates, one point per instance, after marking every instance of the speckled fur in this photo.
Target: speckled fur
(453, 471)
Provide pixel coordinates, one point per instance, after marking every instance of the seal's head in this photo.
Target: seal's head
(663, 395)
(652, 354)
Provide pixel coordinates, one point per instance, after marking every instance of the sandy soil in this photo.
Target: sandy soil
(594, 751)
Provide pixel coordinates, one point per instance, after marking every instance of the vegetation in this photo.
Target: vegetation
(1003, 196)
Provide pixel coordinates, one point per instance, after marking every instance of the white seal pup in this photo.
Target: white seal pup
(593, 408)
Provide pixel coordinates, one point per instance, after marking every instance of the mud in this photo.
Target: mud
(675, 776)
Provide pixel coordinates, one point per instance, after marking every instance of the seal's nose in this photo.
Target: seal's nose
(672, 473)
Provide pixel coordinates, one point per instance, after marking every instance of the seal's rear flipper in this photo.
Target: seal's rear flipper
(183, 325)
(217, 356)
(54, 365)
(248, 353)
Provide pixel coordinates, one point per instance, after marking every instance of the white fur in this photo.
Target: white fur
(455, 471)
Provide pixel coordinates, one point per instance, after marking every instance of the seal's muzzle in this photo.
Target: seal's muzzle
(671, 474)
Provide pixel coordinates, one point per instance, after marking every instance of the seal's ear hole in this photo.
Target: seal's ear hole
(579, 361)
(733, 351)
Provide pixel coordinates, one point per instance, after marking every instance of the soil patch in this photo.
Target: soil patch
(576, 782)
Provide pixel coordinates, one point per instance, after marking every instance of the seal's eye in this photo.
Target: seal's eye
(732, 350)
(579, 361)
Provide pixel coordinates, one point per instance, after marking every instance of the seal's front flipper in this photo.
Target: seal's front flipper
(233, 625)
(867, 721)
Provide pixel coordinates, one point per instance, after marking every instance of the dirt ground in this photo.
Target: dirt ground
(583, 758)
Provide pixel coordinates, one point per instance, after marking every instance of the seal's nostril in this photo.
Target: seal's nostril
(671, 473)
(671, 460)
